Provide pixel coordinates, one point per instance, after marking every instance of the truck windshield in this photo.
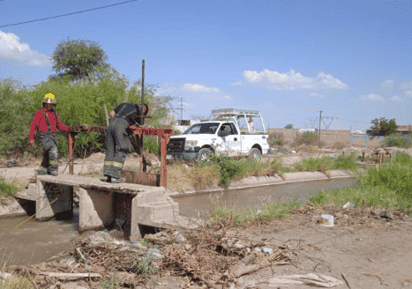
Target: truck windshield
(202, 128)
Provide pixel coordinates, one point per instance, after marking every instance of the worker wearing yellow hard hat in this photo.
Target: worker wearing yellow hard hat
(43, 127)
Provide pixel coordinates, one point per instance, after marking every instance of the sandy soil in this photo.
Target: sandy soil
(371, 251)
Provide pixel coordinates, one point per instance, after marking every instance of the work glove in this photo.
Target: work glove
(85, 126)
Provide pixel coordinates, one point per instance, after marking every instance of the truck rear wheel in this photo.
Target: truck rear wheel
(202, 155)
(255, 154)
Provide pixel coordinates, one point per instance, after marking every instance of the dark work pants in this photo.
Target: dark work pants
(49, 164)
(117, 146)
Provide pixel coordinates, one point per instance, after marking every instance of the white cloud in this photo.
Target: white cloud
(408, 93)
(407, 85)
(199, 88)
(372, 97)
(387, 84)
(315, 94)
(227, 97)
(12, 48)
(396, 98)
(290, 81)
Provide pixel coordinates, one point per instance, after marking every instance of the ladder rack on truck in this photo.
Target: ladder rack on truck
(236, 114)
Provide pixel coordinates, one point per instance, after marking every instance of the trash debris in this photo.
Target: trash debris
(5, 275)
(348, 205)
(307, 279)
(327, 221)
(11, 162)
(100, 237)
(387, 215)
(119, 222)
(267, 250)
(71, 276)
(69, 261)
(180, 239)
(81, 255)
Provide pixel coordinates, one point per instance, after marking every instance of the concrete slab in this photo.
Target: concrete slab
(95, 209)
(158, 214)
(29, 194)
(52, 200)
(11, 209)
(335, 174)
(94, 183)
(304, 177)
(255, 181)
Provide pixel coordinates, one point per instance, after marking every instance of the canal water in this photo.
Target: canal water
(192, 206)
(34, 242)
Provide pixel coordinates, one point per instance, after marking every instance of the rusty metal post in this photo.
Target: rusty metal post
(163, 170)
(70, 153)
(363, 157)
(142, 121)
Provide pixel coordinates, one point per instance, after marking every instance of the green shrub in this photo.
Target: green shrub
(307, 138)
(228, 167)
(399, 140)
(348, 162)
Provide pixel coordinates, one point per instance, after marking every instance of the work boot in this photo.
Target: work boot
(107, 179)
(41, 171)
(118, 180)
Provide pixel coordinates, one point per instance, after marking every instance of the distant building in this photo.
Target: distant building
(184, 124)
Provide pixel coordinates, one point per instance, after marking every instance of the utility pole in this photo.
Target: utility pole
(320, 118)
(181, 110)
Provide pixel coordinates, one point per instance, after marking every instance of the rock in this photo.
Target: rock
(376, 212)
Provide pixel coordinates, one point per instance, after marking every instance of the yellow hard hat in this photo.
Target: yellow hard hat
(49, 98)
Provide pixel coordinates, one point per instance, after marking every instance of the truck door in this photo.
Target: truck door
(231, 140)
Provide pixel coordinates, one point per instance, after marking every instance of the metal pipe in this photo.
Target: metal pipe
(70, 154)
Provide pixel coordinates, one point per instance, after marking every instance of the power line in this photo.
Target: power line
(68, 14)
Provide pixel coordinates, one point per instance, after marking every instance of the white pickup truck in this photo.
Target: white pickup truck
(230, 131)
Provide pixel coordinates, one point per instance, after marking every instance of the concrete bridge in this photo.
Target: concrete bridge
(100, 204)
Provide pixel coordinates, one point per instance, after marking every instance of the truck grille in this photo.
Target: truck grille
(176, 145)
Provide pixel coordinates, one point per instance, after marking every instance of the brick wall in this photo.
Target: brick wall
(329, 137)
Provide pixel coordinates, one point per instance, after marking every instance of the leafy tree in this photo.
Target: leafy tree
(289, 126)
(15, 117)
(80, 59)
(383, 127)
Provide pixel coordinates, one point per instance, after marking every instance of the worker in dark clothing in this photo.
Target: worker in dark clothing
(117, 139)
(46, 122)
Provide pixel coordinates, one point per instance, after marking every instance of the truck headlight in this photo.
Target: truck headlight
(190, 145)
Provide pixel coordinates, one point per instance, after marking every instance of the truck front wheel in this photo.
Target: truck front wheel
(202, 155)
(255, 154)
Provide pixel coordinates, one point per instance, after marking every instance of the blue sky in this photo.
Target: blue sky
(289, 59)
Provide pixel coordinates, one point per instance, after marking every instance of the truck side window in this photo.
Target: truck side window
(226, 127)
(234, 130)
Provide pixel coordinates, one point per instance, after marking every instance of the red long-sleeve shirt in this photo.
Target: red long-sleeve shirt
(39, 123)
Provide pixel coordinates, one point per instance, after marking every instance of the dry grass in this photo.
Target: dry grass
(182, 177)
(339, 145)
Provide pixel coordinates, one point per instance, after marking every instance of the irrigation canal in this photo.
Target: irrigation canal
(34, 242)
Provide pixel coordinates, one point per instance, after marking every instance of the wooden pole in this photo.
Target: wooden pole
(107, 115)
